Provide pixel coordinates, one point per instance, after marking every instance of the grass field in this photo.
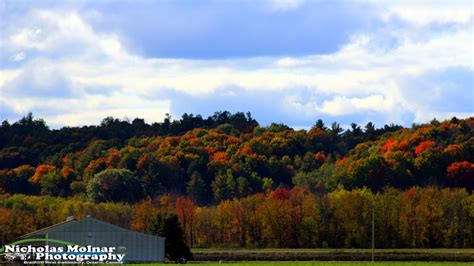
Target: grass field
(329, 250)
(330, 263)
(340, 263)
(393, 255)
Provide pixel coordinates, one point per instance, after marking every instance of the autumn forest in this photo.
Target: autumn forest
(234, 183)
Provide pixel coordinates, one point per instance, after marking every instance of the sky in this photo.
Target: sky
(74, 63)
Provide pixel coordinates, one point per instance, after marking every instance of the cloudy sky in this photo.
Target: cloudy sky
(291, 61)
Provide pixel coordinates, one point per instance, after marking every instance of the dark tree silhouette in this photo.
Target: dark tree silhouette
(166, 224)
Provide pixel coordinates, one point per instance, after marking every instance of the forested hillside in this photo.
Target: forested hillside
(235, 183)
(228, 156)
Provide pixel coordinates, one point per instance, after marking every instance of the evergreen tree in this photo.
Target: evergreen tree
(196, 188)
(166, 224)
(320, 124)
(243, 188)
(223, 186)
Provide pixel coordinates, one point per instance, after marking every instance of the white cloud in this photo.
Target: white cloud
(422, 14)
(8, 75)
(360, 78)
(18, 57)
(344, 105)
(284, 5)
(151, 113)
(91, 109)
(26, 38)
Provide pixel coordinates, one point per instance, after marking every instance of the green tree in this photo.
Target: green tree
(371, 172)
(307, 231)
(115, 185)
(196, 188)
(309, 162)
(306, 180)
(53, 184)
(267, 183)
(243, 188)
(223, 186)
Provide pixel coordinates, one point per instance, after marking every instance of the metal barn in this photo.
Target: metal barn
(89, 231)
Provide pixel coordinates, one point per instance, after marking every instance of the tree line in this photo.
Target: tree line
(228, 156)
(280, 218)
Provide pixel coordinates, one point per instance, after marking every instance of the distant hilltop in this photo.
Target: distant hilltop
(228, 156)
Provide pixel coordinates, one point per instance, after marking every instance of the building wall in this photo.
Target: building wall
(89, 231)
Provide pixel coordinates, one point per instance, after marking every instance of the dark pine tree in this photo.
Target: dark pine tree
(166, 224)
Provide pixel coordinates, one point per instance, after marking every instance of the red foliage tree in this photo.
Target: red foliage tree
(461, 174)
(40, 171)
(424, 146)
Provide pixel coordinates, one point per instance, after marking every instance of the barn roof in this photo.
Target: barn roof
(45, 230)
(90, 223)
